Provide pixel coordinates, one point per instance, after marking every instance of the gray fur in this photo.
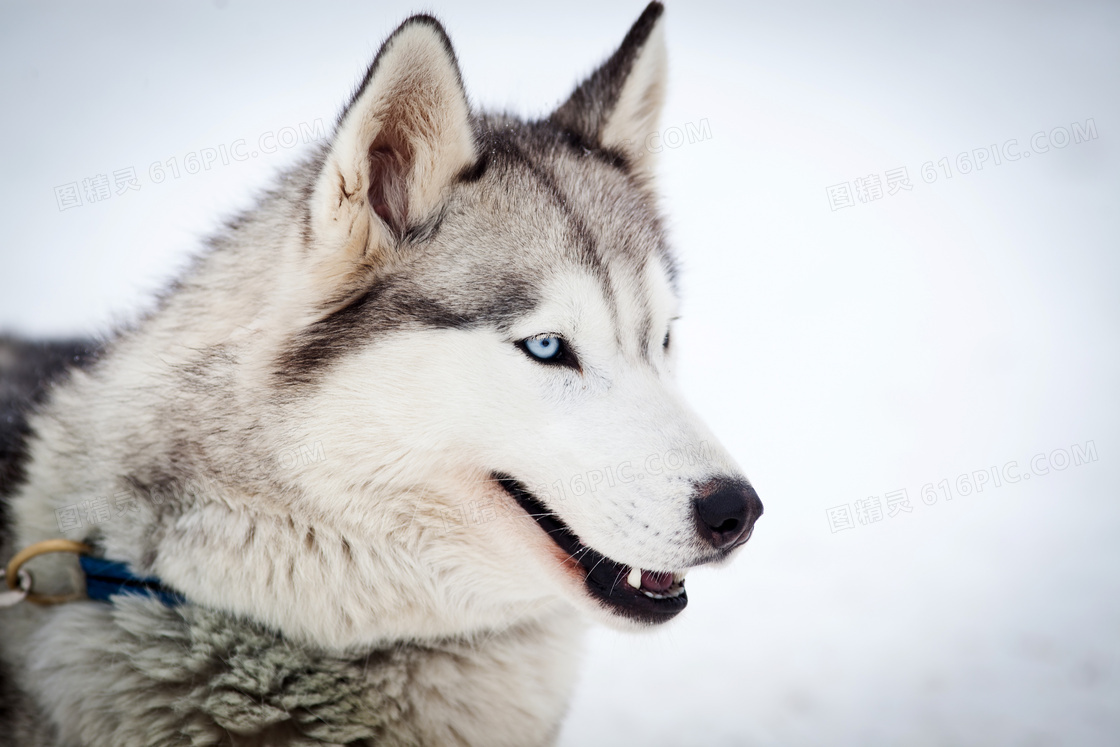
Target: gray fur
(329, 600)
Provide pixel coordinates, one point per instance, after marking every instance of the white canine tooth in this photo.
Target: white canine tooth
(678, 576)
(635, 578)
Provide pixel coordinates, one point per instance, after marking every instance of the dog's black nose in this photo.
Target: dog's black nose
(726, 511)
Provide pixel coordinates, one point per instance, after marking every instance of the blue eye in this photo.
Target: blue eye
(550, 350)
(544, 348)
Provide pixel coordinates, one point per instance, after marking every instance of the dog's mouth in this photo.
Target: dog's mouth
(642, 595)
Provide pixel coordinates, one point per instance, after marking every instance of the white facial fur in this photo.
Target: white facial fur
(454, 406)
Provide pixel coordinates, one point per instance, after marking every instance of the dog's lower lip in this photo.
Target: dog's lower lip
(653, 601)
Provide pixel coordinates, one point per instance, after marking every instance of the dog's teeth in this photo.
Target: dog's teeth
(678, 577)
(635, 578)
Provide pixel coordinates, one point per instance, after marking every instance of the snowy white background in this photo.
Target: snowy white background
(841, 354)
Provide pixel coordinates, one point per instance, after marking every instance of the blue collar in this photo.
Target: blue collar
(106, 578)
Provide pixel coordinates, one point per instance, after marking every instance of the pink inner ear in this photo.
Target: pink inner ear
(389, 164)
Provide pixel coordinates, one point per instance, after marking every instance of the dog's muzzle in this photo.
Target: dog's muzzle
(726, 510)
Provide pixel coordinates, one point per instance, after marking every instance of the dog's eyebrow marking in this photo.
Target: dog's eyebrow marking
(321, 342)
(389, 304)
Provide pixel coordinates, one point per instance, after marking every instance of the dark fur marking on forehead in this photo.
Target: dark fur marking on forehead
(501, 145)
(585, 240)
(541, 148)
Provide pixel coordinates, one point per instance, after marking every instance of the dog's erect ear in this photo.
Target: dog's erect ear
(405, 136)
(618, 106)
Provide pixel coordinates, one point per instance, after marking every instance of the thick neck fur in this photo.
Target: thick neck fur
(138, 673)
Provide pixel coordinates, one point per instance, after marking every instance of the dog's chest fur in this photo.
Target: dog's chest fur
(139, 673)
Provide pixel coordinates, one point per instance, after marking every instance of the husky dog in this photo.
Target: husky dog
(395, 429)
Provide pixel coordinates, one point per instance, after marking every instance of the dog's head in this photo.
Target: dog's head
(488, 350)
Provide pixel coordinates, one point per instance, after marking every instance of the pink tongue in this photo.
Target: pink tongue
(656, 581)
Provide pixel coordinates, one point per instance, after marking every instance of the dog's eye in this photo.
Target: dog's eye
(550, 350)
(543, 347)
(665, 342)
